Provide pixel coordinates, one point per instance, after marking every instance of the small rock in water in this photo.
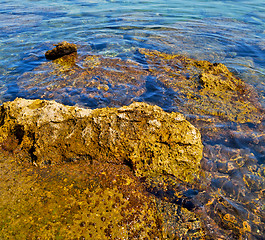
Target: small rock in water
(61, 49)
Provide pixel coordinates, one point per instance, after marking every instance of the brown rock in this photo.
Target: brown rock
(81, 183)
(205, 88)
(141, 136)
(61, 49)
(74, 201)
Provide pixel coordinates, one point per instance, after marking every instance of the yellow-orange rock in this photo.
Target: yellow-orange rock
(141, 136)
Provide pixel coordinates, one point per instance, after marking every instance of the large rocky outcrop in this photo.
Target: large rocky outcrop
(82, 185)
(74, 201)
(141, 136)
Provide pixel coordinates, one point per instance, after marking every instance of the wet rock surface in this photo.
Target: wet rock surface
(204, 88)
(75, 201)
(90, 81)
(226, 198)
(175, 82)
(61, 49)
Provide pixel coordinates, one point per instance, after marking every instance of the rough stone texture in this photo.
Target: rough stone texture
(81, 184)
(141, 136)
(61, 49)
(205, 88)
(74, 201)
(227, 204)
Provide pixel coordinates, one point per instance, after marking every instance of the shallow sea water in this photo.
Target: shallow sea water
(231, 32)
(228, 32)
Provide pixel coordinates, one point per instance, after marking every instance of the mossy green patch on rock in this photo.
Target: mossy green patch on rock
(142, 136)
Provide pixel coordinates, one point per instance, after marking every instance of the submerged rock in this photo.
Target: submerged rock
(222, 106)
(205, 88)
(61, 49)
(141, 136)
(189, 86)
(91, 81)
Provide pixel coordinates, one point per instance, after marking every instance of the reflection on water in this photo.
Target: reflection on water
(127, 53)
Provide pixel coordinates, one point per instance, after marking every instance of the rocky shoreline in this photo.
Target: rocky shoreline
(134, 172)
(99, 156)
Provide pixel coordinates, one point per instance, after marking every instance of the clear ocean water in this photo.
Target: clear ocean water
(231, 32)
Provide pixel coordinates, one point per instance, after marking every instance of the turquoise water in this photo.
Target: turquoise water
(229, 32)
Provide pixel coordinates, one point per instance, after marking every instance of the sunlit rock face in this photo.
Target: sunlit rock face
(142, 136)
(78, 173)
(79, 200)
(225, 201)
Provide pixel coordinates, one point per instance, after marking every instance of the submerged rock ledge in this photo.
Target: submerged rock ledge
(143, 137)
